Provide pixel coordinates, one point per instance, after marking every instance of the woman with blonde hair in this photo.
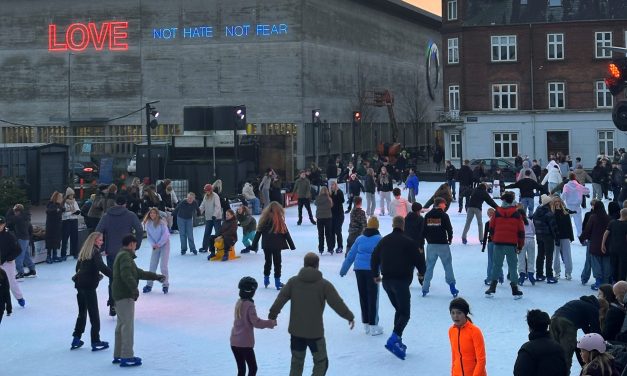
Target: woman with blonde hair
(385, 186)
(597, 362)
(276, 237)
(88, 269)
(158, 236)
(54, 226)
(566, 236)
(69, 226)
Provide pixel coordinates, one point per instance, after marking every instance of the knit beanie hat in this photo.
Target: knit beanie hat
(373, 222)
(69, 191)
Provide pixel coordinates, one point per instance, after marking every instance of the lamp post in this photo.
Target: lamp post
(150, 124)
(69, 116)
(315, 122)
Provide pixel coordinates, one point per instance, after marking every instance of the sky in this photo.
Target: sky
(433, 6)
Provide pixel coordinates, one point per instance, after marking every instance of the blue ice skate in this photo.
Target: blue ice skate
(395, 346)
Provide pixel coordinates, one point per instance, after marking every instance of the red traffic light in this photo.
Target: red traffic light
(356, 116)
(614, 71)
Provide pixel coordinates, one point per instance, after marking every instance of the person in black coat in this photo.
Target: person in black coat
(541, 355)
(464, 177)
(613, 322)
(337, 215)
(5, 295)
(54, 228)
(88, 269)
(414, 228)
(9, 250)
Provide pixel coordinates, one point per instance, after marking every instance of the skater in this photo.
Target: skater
(126, 276)
(360, 254)
(212, 208)
(357, 223)
(617, 234)
(5, 295)
(185, 212)
(396, 257)
(508, 235)
(593, 233)
(116, 222)
(443, 192)
(251, 199)
(54, 228)
(276, 237)
(228, 232)
(474, 209)
(369, 189)
(488, 243)
(541, 355)
(399, 206)
(354, 189)
(573, 195)
(450, 173)
(384, 186)
(547, 238)
(596, 360)
(439, 234)
(528, 187)
(583, 314)
(337, 216)
(324, 203)
(415, 227)
(88, 269)
(615, 315)
(18, 221)
(553, 178)
(159, 238)
(302, 188)
(464, 176)
(309, 292)
(467, 345)
(243, 334)
(411, 184)
(264, 187)
(527, 257)
(9, 250)
(69, 222)
(248, 224)
(565, 231)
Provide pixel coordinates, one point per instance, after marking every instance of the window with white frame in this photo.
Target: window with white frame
(604, 97)
(606, 142)
(452, 10)
(504, 97)
(453, 98)
(603, 39)
(503, 48)
(555, 46)
(456, 146)
(505, 144)
(453, 50)
(557, 95)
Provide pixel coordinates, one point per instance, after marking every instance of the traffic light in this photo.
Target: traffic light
(356, 117)
(618, 75)
(154, 114)
(240, 116)
(315, 116)
(619, 115)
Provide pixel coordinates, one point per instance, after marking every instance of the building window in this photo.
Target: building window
(603, 39)
(453, 98)
(504, 48)
(604, 97)
(452, 10)
(18, 135)
(555, 46)
(523, 2)
(557, 95)
(456, 146)
(504, 97)
(453, 50)
(606, 142)
(505, 145)
(555, 3)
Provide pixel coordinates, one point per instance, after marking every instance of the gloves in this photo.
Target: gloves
(135, 295)
(421, 279)
(77, 212)
(293, 249)
(161, 278)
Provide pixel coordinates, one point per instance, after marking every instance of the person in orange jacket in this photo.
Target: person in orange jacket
(467, 346)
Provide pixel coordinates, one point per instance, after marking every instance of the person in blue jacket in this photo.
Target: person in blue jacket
(360, 254)
(411, 184)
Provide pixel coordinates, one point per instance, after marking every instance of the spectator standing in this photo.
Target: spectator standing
(54, 227)
(69, 224)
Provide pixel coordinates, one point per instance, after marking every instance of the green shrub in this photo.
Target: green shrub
(11, 194)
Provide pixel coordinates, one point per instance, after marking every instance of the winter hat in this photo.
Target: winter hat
(373, 222)
(247, 287)
(208, 188)
(69, 191)
(460, 304)
(592, 341)
(546, 199)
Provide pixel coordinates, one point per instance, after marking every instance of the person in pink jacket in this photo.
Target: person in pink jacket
(242, 334)
(467, 346)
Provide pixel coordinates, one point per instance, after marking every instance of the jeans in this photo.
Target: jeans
(272, 256)
(336, 224)
(411, 195)
(160, 256)
(125, 328)
(265, 197)
(551, 186)
(597, 191)
(546, 247)
(576, 207)
(400, 297)
(443, 252)
(451, 183)
(383, 198)
(473, 212)
(528, 204)
(248, 237)
(255, 205)
(245, 356)
(601, 268)
(23, 259)
(587, 267)
(87, 304)
(70, 233)
(186, 233)
(527, 257)
(564, 251)
(368, 296)
(491, 263)
(464, 192)
(318, 348)
(502, 252)
(210, 225)
(371, 204)
(9, 268)
(306, 203)
(325, 230)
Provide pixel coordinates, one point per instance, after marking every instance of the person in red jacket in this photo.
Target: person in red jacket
(508, 236)
(467, 347)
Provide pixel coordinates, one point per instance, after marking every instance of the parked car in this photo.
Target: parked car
(85, 170)
(132, 165)
(491, 164)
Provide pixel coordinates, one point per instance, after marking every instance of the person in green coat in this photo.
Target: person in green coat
(124, 291)
(302, 188)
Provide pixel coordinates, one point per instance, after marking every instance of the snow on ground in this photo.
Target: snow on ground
(188, 330)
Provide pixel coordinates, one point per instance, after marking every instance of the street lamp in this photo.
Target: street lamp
(150, 124)
(315, 123)
(69, 117)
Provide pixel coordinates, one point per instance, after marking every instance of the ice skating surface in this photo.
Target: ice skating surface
(187, 331)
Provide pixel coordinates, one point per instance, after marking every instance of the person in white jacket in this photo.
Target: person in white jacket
(212, 209)
(70, 225)
(399, 206)
(554, 177)
(249, 195)
(572, 195)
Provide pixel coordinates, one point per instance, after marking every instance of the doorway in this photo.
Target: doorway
(558, 142)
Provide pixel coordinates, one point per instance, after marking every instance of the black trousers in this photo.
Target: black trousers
(464, 192)
(368, 296)
(70, 232)
(110, 261)
(306, 203)
(546, 248)
(87, 304)
(245, 356)
(616, 192)
(619, 266)
(325, 230)
(398, 292)
(336, 224)
(272, 256)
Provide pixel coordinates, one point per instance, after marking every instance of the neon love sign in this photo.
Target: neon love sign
(111, 35)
